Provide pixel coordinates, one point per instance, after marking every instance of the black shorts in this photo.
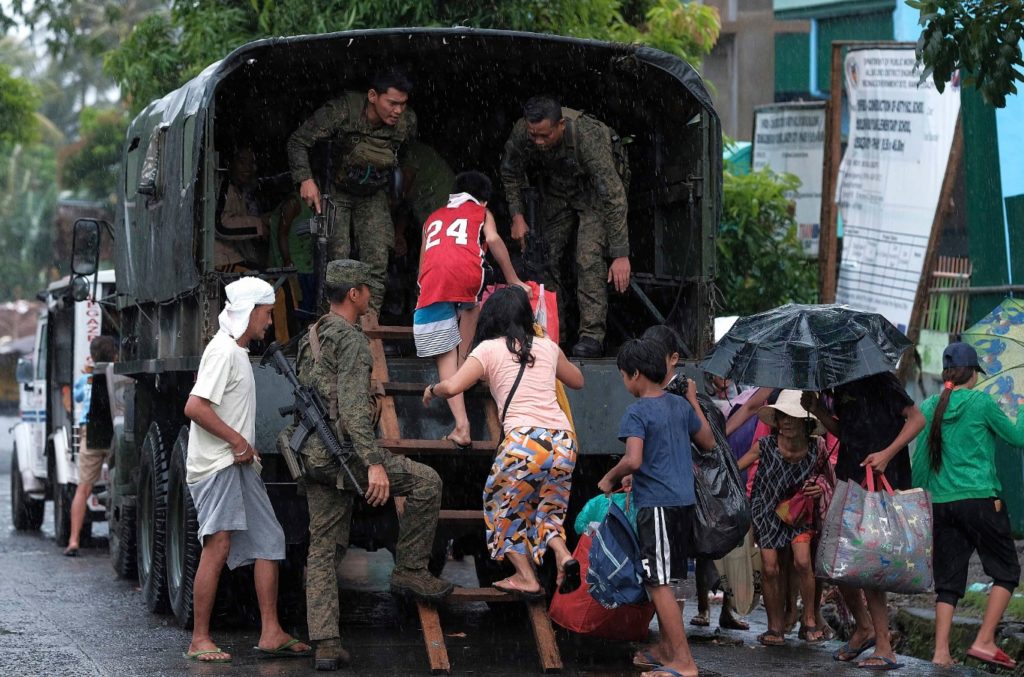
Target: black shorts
(664, 536)
(960, 528)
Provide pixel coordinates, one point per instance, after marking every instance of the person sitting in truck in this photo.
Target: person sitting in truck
(236, 522)
(90, 461)
(370, 127)
(245, 208)
(456, 238)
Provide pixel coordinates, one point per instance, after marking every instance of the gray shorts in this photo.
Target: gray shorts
(235, 500)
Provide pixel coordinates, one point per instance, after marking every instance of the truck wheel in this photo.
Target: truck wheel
(26, 511)
(182, 549)
(63, 494)
(152, 521)
(122, 533)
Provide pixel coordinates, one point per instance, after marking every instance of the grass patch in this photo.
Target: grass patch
(973, 604)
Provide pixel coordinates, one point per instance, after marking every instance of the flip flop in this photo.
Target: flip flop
(806, 630)
(850, 652)
(459, 445)
(999, 658)
(702, 619)
(647, 661)
(663, 670)
(886, 664)
(195, 656)
(513, 589)
(772, 634)
(284, 651)
(71, 552)
(570, 577)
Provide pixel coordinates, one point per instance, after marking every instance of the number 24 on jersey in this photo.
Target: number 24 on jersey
(459, 229)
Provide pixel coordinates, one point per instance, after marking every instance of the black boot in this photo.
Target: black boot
(587, 347)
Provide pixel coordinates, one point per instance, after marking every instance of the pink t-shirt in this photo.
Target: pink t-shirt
(534, 403)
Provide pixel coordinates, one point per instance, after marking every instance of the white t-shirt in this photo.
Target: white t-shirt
(225, 379)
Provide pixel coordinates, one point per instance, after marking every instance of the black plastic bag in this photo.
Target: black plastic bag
(722, 514)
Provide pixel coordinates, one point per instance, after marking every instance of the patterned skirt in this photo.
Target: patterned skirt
(527, 491)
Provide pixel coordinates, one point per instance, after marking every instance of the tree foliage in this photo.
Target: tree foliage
(165, 50)
(979, 38)
(761, 263)
(28, 198)
(89, 167)
(18, 101)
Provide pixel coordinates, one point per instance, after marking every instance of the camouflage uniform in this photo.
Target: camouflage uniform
(345, 363)
(361, 207)
(582, 193)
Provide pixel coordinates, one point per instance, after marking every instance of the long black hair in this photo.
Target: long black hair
(507, 314)
(953, 376)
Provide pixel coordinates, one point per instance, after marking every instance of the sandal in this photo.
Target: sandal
(807, 630)
(196, 656)
(886, 664)
(772, 638)
(461, 446)
(702, 619)
(508, 586)
(847, 652)
(571, 580)
(999, 658)
(645, 660)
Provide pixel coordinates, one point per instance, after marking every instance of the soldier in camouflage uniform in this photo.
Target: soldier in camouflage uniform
(571, 157)
(368, 130)
(335, 359)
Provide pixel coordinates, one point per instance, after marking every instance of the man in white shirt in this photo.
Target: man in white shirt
(237, 525)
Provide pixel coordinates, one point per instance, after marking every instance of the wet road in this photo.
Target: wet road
(63, 616)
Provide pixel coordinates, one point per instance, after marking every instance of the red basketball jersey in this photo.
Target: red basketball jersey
(453, 254)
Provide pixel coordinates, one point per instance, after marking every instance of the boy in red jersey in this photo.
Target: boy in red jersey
(455, 241)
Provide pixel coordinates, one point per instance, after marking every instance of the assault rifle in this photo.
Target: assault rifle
(311, 414)
(535, 252)
(321, 226)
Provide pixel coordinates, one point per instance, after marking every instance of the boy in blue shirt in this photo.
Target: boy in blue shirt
(657, 430)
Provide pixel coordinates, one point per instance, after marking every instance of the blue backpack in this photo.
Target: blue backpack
(614, 574)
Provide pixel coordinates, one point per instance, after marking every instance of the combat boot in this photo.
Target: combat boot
(330, 654)
(419, 583)
(587, 347)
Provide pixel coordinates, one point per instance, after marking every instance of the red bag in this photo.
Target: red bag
(581, 613)
(543, 302)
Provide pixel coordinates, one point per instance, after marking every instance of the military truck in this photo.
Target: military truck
(469, 88)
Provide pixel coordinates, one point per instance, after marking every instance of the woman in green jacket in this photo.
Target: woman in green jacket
(954, 460)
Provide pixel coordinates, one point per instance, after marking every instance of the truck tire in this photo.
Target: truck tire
(152, 521)
(182, 547)
(26, 511)
(63, 494)
(122, 533)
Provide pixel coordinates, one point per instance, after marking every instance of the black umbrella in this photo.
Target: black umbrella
(807, 347)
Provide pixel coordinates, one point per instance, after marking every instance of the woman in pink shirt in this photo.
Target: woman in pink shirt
(527, 490)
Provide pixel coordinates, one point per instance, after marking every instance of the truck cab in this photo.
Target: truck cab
(47, 439)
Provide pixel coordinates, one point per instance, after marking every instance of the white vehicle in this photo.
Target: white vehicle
(46, 439)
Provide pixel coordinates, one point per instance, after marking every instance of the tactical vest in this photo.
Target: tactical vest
(376, 390)
(620, 155)
(365, 160)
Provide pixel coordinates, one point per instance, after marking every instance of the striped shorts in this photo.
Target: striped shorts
(435, 328)
(664, 537)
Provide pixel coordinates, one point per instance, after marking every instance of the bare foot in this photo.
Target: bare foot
(460, 437)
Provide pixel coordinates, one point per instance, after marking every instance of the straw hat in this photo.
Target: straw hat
(789, 404)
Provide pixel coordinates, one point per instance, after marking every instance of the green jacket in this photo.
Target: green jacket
(969, 429)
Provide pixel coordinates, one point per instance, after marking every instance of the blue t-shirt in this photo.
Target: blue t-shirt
(665, 424)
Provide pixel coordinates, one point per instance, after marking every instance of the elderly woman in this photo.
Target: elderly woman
(790, 474)
(527, 490)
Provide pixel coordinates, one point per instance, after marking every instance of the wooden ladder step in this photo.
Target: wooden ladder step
(435, 447)
(408, 388)
(392, 332)
(461, 516)
(433, 635)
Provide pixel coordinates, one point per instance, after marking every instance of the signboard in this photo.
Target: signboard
(901, 131)
(790, 139)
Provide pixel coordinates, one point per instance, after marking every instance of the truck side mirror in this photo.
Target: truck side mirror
(85, 247)
(24, 373)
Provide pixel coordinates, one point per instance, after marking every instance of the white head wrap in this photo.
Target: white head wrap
(456, 200)
(243, 295)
